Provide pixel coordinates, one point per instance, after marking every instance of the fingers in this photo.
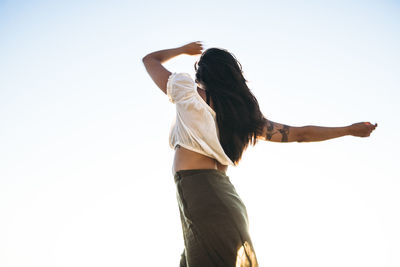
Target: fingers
(364, 129)
(195, 48)
(200, 45)
(371, 127)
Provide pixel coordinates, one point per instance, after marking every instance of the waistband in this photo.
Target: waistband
(183, 173)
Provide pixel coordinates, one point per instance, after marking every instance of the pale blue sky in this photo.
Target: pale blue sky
(85, 166)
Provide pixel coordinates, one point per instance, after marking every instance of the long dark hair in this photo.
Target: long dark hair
(238, 115)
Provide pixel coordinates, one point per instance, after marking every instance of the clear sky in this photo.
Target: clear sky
(85, 165)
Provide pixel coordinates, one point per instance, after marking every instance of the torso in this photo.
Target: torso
(186, 159)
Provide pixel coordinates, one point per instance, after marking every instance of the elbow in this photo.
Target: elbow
(145, 59)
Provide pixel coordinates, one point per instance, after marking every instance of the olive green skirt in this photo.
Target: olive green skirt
(214, 221)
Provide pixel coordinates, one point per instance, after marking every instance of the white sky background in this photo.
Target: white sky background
(85, 165)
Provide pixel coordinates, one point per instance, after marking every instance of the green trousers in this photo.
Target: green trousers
(214, 221)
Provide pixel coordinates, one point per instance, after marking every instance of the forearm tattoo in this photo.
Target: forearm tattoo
(284, 132)
(271, 130)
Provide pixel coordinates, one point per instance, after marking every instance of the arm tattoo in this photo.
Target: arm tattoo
(270, 128)
(284, 132)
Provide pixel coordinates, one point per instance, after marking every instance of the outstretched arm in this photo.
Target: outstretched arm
(153, 62)
(277, 132)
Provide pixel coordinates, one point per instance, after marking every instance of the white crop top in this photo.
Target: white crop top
(195, 126)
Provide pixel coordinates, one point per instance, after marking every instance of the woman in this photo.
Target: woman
(217, 116)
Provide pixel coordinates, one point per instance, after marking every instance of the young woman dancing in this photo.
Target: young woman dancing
(217, 117)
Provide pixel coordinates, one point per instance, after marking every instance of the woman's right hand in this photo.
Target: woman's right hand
(192, 49)
(362, 129)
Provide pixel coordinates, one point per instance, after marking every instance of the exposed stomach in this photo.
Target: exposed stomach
(186, 159)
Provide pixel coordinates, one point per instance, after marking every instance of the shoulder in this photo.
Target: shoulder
(180, 85)
(180, 78)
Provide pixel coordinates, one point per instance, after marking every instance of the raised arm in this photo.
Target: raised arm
(153, 62)
(277, 132)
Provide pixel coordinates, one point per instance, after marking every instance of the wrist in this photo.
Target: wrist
(181, 50)
(348, 130)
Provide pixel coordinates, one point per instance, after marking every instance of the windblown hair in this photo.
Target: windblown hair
(238, 115)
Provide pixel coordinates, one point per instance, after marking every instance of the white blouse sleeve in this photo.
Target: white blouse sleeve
(179, 87)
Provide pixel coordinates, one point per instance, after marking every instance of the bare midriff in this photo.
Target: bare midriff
(186, 159)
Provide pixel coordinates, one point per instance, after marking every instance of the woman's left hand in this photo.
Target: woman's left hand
(362, 129)
(192, 49)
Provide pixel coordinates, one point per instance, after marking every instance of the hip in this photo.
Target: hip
(208, 193)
